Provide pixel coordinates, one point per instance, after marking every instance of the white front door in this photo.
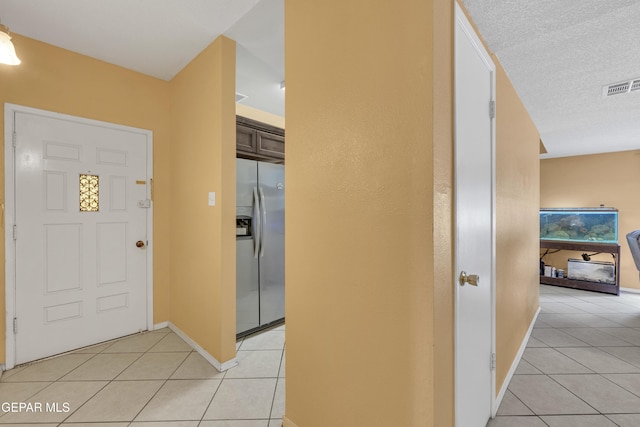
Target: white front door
(474, 219)
(81, 241)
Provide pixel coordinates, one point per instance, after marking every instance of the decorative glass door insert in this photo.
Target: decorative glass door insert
(89, 193)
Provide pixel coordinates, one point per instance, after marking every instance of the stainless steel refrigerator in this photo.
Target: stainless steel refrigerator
(259, 245)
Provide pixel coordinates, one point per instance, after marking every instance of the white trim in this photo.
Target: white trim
(631, 290)
(494, 197)
(466, 26)
(160, 325)
(9, 214)
(150, 210)
(216, 364)
(9, 220)
(514, 365)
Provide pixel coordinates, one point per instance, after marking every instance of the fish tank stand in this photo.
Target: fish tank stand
(612, 248)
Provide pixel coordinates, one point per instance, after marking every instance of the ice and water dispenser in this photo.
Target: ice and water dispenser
(243, 226)
(243, 222)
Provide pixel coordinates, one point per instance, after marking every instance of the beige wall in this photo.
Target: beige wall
(193, 124)
(369, 301)
(58, 80)
(442, 209)
(369, 165)
(517, 238)
(202, 237)
(588, 181)
(359, 251)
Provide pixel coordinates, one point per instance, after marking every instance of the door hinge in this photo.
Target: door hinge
(14, 138)
(492, 109)
(15, 325)
(492, 362)
(15, 232)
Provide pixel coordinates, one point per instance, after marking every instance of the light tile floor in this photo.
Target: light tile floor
(581, 367)
(152, 379)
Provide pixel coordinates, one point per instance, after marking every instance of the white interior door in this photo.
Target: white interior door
(80, 233)
(474, 216)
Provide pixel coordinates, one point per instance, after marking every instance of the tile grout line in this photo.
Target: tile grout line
(204, 414)
(58, 380)
(592, 371)
(164, 382)
(240, 349)
(275, 390)
(588, 345)
(120, 373)
(140, 354)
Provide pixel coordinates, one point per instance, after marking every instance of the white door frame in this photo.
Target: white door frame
(461, 18)
(9, 214)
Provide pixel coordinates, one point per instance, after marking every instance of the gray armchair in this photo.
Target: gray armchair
(633, 239)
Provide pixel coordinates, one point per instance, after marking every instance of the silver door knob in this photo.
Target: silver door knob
(472, 279)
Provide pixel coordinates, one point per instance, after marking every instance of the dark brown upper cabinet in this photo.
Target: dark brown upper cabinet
(259, 141)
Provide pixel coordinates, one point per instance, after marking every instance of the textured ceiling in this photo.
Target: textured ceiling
(559, 55)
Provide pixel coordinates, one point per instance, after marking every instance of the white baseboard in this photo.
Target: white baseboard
(216, 364)
(514, 365)
(631, 290)
(160, 325)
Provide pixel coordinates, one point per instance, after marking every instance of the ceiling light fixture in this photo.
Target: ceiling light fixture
(7, 51)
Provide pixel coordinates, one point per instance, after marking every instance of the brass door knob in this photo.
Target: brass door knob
(140, 244)
(472, 279)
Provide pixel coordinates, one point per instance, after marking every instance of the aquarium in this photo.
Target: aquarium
(579, 224)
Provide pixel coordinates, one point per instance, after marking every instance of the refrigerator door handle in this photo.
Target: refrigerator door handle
(263, 207)
(256, 223)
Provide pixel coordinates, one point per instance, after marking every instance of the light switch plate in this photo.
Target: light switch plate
(212, 198)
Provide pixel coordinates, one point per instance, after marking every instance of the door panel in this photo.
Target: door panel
(474, 210)
(80, 279)
(62, 263)
(246, 181)
(112, 249)
(247, 287)
(247, 273)
(271, 180)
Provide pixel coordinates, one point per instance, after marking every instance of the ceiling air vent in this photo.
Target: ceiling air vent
(617, 88)
(621, 87)
(240, 97)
